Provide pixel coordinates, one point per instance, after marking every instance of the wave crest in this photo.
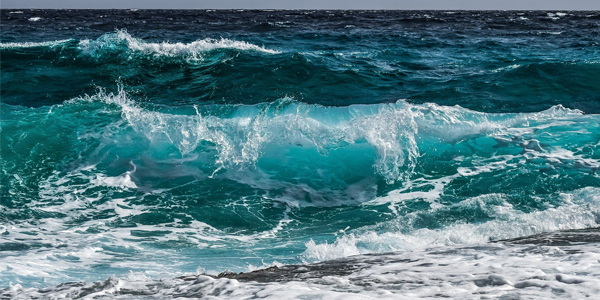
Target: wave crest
(122, 38)
(50, 44)
(393, 136)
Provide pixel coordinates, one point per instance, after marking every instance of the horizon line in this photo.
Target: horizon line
(324, 9)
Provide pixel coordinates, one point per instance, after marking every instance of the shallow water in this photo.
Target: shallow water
(561, 265)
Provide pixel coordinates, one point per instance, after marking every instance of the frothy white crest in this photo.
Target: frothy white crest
(452, 124)
(35, 19)
(392, 131)
(554, 112)
(511, 67)
(191, 50)
(34, 44)
(555, 16)
(580, 210)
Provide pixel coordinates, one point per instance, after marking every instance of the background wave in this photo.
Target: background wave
(320, 65)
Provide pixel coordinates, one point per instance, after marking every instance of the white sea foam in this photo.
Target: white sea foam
(581, 210)
(83, 192)
(34, 44)
(122, 181)
(511, 67)
(35, 19)
(475, 272)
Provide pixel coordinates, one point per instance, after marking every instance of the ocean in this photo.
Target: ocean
(279, 154)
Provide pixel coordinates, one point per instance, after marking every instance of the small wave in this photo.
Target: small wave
(556, 16)
(35, 19)
(34, 44)
(192, 50)
(580, 211)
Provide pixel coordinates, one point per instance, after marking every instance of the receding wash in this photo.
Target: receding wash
(278, 154)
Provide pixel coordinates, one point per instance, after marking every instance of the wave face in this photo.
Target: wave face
(213, 143)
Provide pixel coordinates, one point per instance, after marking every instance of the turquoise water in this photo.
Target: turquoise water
(295, 138)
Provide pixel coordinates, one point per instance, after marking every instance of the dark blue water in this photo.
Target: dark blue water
(174, 142)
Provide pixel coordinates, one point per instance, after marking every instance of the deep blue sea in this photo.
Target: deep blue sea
(144, 152)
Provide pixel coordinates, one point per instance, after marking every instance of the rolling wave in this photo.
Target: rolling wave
(120, 39)
(191, 50)
(397, 143)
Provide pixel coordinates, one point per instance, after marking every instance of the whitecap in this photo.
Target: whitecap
(34, 44)
(191, 50)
